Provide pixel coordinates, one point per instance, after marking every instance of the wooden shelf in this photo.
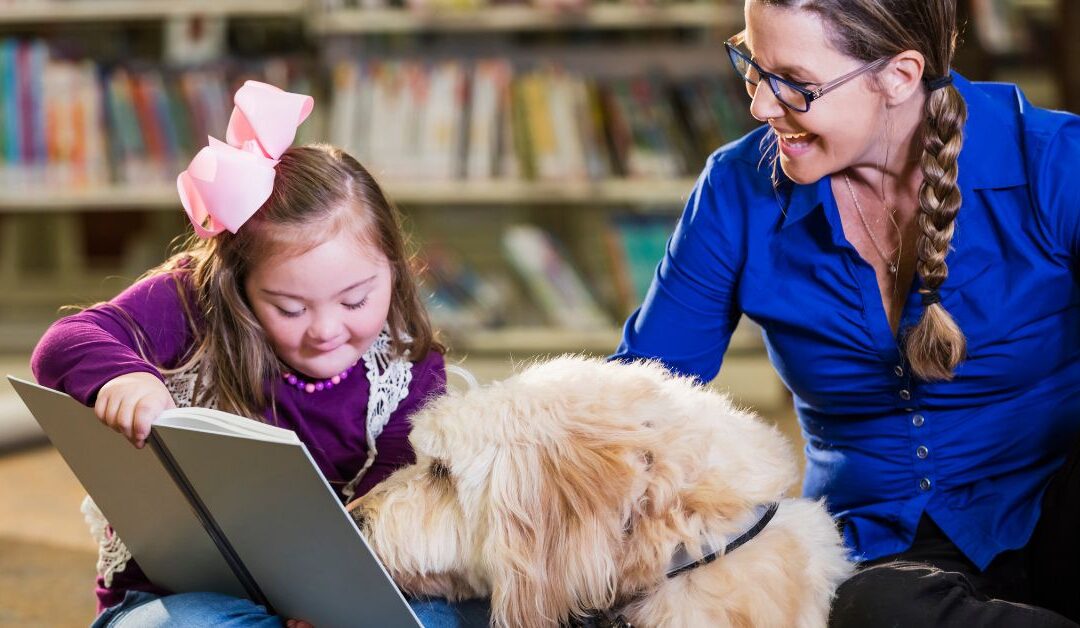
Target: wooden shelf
(665, 192)
(56, 11)
(535, 340)
(527, 18)
(554, 340)
(609, 192)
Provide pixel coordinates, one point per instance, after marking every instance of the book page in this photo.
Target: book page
(288, 528)
(218, 422)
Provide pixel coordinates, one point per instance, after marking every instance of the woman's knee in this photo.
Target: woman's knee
(894, 593)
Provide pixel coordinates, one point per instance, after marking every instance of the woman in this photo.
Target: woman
(907, 241)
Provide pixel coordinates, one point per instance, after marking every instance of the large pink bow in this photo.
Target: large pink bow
(227, 182)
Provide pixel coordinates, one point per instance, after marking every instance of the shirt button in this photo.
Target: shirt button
(905, 395)
(925, 484)
(899, 370)
(922, 451)
(918, 420)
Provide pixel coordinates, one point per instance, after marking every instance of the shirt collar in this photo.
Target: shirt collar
(991, 156)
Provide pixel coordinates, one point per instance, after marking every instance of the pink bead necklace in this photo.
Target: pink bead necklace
(313, 386)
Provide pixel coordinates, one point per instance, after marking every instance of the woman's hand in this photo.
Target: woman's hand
(297, 623)
(130, 403)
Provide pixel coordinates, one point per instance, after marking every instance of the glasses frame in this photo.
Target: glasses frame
(774, 81)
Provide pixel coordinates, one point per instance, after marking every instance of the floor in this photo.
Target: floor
(46, 554)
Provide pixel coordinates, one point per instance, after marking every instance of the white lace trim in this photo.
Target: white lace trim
(113, 555)
(389, 379)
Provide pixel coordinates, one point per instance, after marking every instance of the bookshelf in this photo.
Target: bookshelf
(652, 194)
(51, 12)
(522, 18)
(45, 227)
(53, 215)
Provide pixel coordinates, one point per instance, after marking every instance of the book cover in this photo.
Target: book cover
(197, 519)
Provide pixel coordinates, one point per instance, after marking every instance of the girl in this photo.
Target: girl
(292, 303)
(913, 263)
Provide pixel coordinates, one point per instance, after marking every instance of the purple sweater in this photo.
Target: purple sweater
(80, 353)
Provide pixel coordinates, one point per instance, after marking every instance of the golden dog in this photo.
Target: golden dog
(569, 487)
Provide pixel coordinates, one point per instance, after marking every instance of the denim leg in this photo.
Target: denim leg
(186, 610)
(438, 613)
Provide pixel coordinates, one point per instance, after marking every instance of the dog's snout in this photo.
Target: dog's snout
(362, 519)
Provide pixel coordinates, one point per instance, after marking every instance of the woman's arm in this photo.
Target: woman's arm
(1057, 187)
(691, 309)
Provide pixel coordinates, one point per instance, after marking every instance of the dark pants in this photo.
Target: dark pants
(934, 584)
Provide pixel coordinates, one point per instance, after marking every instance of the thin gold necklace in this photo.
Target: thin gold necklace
(893, 266)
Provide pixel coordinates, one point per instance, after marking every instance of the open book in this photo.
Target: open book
(217, 502)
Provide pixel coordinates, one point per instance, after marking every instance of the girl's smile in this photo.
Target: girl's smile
(323, 308)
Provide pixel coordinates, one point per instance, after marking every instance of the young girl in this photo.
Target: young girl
(293, 303)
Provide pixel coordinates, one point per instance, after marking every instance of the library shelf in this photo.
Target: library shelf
(554, 340)
(58, 11)
(665, 192)
(620, 16)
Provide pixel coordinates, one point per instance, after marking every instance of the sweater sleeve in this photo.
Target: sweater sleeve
(143, 328)
(429, 381)
(691, 309)
(1057, 188)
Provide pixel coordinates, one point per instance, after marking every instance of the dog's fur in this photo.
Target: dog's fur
(568, 487)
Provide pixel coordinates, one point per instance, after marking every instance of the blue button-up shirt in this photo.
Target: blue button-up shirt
(883, 447)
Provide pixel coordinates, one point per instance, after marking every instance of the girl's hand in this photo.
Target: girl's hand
(298, 623)
(130, 403)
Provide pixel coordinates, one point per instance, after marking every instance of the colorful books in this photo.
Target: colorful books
(67, 123)
(486, 120)
(635, 244)
(555, 286)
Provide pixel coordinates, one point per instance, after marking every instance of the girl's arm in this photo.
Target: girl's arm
(80, 353)
(429, 381)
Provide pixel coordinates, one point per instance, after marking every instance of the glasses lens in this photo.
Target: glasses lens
(743, 66)
(785, 92)
(788, 95)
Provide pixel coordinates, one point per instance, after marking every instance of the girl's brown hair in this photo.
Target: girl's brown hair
(319, 191)
(868, 30)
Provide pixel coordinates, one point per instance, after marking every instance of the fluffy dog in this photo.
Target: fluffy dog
(569, 487)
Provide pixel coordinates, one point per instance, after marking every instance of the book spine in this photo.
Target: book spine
(207, 520)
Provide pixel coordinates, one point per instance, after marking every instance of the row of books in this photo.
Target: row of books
(50, 118)
(73, 123)
(483, 120)
(461, 296)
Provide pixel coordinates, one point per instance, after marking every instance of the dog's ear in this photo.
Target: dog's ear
(556, 524)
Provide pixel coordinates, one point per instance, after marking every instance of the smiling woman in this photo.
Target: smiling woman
(907, 359)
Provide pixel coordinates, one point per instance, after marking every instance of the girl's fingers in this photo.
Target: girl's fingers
(124, 416)
(145, 413)
(112, 409)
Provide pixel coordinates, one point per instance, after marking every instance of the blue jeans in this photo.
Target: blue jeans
(196, 610)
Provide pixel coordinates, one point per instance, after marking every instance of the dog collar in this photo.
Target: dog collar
(681, 561)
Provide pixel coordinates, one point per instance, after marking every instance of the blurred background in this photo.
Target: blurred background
(540, 152)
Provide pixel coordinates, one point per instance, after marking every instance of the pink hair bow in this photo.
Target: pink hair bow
(226, 183)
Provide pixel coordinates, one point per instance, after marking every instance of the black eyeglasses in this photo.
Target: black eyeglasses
(794, 96)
